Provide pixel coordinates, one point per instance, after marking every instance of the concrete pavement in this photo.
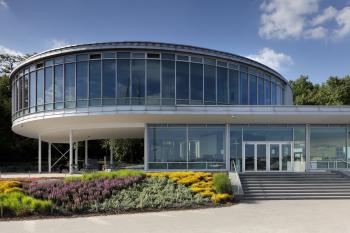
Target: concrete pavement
(301, 216)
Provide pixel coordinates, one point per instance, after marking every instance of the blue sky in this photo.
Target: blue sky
(295, 37)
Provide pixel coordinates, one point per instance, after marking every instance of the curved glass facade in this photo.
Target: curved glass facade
(140, 78)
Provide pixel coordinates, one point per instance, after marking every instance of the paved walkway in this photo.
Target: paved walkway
(266, 216)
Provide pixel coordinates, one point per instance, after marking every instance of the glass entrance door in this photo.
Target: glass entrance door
(267, 156)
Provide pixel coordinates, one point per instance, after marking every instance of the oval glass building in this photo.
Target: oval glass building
(196, 108)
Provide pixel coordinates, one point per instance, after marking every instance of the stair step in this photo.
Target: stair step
(295, 198)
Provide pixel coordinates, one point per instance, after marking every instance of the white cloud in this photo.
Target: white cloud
(316, 33)
(343, 21)
(5, 50)
(3, 4)
(275, 60)
(328, 14)
(283, 19)
(55, 43)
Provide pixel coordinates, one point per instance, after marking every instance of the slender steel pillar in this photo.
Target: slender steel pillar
(76, 154)
(86, 153)
(39, 154)
(227, 148)
(70, 152)
(145, 145)
(49, 158)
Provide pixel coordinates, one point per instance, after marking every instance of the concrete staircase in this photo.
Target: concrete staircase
(311, 185)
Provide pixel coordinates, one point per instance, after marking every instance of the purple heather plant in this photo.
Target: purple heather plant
(78, 196)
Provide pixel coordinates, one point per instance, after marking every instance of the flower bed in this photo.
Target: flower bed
(14, 202)
(79, 195)
(198, 182)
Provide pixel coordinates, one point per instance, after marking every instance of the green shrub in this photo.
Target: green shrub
(113, 174)
(152, 193)
(222, 183)
(19, 204)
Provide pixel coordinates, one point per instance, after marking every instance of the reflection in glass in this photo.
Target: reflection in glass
(222, 88)
(286, 157)
(249, 157)
(196, 83)
(267, 92)
(261, 96)
(274, 157)
(252, 90)
(32, 93)
(138, 81)
(59, 86)
(168, 82)
(182, 82)
(108, 82)
(261, 157)
(25, 91)
(209, 84)
(273, 93)
(82, 83)
(244, 88)
(95, 83)
(123, 81)
(236, 147)
(233, 87)
(48, 88)
(40, 90)
(69, 85)
(153, 82)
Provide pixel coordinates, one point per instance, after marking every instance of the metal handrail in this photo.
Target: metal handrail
(334, 162)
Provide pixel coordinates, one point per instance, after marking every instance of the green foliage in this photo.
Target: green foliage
(335, 91)
(222, 183)
(129, 149)
(152, 193)
(113, 174)
(20, 204)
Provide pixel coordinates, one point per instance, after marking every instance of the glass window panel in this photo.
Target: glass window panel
(168, 82)
(222, 88)
(244, 88)
(83, 57)
(233, 87)
(123, 81)
(58, 86)
(206, 144)
(182, 82)
(261, 89)
(236, 147)
(82, 83)
(273, 93)
(268, 134)
(168, 56)
(108, 82)
(209, 84)
(32, 89)
(95, 83)
(327, 144)
(69, 84)
(20, 97)
(138, 81)
(153, 82)
(49, 88)
(267, 92)
(196, 83)
(252, 90)
(40, 89)
(25, 91)
(124, 55)
(167, 144)
(278, 95)
(17, 95)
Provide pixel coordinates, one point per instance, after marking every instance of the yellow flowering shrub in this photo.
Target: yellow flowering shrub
(198, 182)
(10, 186)
(221, 197)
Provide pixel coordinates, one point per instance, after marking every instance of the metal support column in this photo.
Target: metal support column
(70, 152)
(39, 154)
(76, 154)
(86, 153)
(49, 158)
(227, 147)
(145, 145)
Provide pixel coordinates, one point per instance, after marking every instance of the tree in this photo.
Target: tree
(9, 62)
(128, 150)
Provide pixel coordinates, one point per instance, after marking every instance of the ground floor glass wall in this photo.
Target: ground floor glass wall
(290, 148)
(194, 147)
